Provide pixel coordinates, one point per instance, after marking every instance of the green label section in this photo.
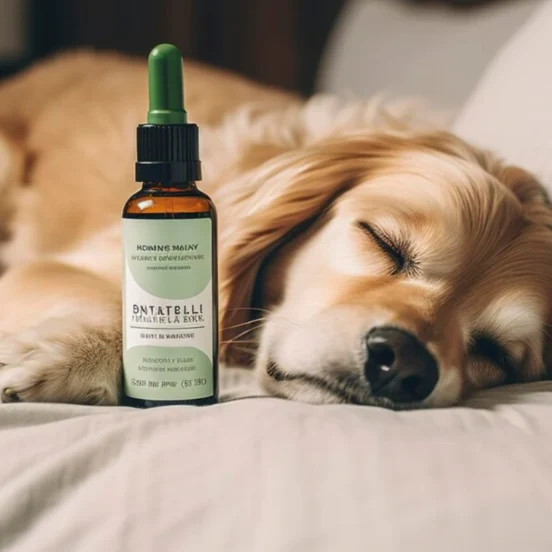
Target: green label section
(171, 259)
(167, 373)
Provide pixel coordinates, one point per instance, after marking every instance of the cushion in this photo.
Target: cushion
(414, 48)
(511, 109)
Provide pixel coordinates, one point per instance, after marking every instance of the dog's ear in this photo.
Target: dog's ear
(276, 201)
(525, 186)
(538, 208)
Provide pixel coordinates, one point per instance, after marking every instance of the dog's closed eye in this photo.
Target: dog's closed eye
(397, 253)
(487, 347)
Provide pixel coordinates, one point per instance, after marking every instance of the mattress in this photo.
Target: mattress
(271, 475)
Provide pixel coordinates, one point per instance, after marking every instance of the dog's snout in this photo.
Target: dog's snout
(399, 366)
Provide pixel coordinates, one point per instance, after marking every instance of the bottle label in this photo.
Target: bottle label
(168, 309)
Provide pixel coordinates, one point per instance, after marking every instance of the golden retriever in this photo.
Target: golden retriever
(364, 258)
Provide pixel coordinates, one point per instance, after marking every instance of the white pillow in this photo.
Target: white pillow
(511, 109)
(425, 49)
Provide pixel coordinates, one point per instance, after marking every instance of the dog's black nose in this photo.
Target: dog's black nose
(398, 366)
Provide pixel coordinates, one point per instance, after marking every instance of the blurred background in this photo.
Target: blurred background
(437, 49)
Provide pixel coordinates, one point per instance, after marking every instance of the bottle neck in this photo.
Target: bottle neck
(169, 186)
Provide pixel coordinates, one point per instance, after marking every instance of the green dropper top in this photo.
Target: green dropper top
(166, 93)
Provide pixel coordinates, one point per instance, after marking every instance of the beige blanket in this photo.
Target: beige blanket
(266, 475)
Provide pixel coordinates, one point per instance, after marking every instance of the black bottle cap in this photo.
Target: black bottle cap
(168, 153)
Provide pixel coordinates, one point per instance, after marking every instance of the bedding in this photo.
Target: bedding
(271, 475)
(510, 110)
(417, 48)
(263, 474)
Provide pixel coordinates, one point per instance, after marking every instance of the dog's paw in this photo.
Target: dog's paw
(79, 366)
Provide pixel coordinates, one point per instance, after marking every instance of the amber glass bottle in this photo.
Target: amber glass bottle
(170, 299)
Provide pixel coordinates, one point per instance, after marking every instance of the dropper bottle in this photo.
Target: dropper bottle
(170, 288)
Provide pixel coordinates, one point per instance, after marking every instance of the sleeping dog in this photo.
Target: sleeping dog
(366, 257)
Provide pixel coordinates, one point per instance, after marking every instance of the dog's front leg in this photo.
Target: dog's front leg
(60, 336)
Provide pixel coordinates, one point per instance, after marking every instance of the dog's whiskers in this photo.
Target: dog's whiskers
(247, 350)
(245, 332)
(261, 319)
(250, 309)
(249, 322)
(281, 319)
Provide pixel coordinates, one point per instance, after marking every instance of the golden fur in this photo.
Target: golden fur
(301, 281)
